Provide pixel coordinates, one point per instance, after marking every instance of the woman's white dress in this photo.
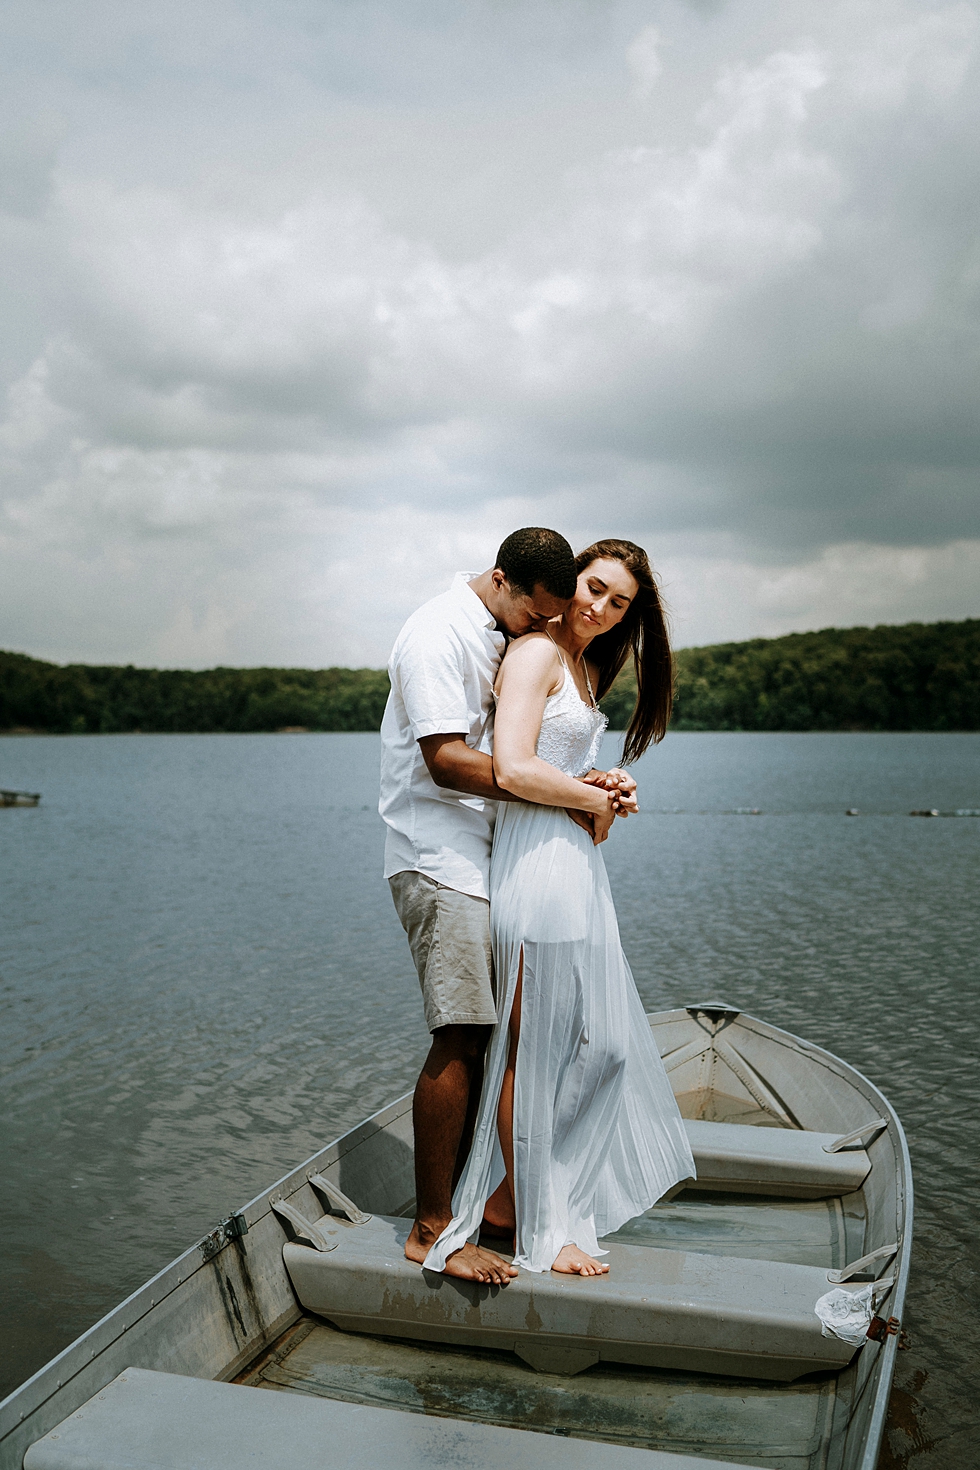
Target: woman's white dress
(598, 1137)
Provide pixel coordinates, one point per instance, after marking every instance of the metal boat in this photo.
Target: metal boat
(295, 1331)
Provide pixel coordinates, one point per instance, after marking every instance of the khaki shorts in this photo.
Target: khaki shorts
(449, 936)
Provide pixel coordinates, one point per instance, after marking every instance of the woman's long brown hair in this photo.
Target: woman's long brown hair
(644, 631)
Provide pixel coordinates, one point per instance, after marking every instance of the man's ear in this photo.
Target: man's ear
(498, 578)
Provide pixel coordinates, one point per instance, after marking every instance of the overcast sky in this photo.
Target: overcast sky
(306, 304)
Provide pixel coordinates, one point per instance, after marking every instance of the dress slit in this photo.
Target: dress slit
(507, 1024)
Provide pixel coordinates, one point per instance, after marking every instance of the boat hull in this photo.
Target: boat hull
(214, 1310)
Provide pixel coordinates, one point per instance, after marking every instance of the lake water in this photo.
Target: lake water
(202, 980)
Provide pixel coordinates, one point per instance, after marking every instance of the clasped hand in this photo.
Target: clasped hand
(621, 790)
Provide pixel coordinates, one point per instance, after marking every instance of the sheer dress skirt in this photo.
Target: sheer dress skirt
(598, 1137)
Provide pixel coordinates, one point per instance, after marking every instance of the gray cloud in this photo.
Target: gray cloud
(310, 304)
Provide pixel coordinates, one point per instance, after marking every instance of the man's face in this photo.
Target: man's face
(518, 613)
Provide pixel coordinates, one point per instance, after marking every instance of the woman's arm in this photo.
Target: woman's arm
(528, 673)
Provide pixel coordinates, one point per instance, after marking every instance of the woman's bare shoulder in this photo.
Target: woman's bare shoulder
(533, 650)
(533, 657)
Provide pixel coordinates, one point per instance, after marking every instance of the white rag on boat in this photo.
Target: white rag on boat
(846, 1314)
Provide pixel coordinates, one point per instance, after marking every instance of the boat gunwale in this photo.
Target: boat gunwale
(884, 1366)
(30, 1396)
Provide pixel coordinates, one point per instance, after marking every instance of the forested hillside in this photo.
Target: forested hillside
(923, 676)
(84, 698)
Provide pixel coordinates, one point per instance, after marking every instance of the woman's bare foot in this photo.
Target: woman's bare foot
(469, 1263)
(574, 1262)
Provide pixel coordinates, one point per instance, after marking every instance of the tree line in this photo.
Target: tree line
(921, 676)
(88, 699)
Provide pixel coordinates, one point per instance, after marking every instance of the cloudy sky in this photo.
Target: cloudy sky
(307, 303)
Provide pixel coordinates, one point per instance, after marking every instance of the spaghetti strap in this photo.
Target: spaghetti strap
(588, 682)
(588, 685)
(559, 653)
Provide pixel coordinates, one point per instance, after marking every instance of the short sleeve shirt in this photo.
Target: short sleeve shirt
(442, 670)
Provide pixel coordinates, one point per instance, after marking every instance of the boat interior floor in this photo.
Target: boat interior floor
(822, 1232)
(785, 1426)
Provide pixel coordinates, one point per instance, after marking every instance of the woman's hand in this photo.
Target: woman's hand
(625, 798)
(620, 784)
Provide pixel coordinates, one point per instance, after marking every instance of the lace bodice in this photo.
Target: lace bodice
(571, 730)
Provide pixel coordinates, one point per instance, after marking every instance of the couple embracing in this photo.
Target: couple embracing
(543, 1116)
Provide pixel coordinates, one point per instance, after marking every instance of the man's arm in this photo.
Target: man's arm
(456, 766)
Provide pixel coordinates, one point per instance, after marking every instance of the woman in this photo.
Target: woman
(578, 1129)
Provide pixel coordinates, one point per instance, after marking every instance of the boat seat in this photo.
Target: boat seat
(656, 1308)
(737, 1158)
(161, 1421)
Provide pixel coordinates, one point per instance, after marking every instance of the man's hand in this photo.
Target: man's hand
(602, 823)
(583, 820)
(621, 784)
(598, 825)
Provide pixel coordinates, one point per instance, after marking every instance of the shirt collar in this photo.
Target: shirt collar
(474, 605)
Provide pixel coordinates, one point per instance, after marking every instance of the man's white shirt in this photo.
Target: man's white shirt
(442, 670)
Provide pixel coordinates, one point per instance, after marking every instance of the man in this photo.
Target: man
(438, 797)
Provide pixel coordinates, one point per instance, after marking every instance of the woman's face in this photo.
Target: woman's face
(603, 594)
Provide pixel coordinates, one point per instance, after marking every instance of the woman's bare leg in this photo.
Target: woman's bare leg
(499, 1212)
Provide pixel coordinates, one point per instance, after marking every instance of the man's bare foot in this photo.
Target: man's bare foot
(419, 1242)
(574, 1262)
(469, 1263)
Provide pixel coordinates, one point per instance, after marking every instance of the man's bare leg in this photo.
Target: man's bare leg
(453, 1068)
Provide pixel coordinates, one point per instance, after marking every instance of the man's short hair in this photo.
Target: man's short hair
(535, 557)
